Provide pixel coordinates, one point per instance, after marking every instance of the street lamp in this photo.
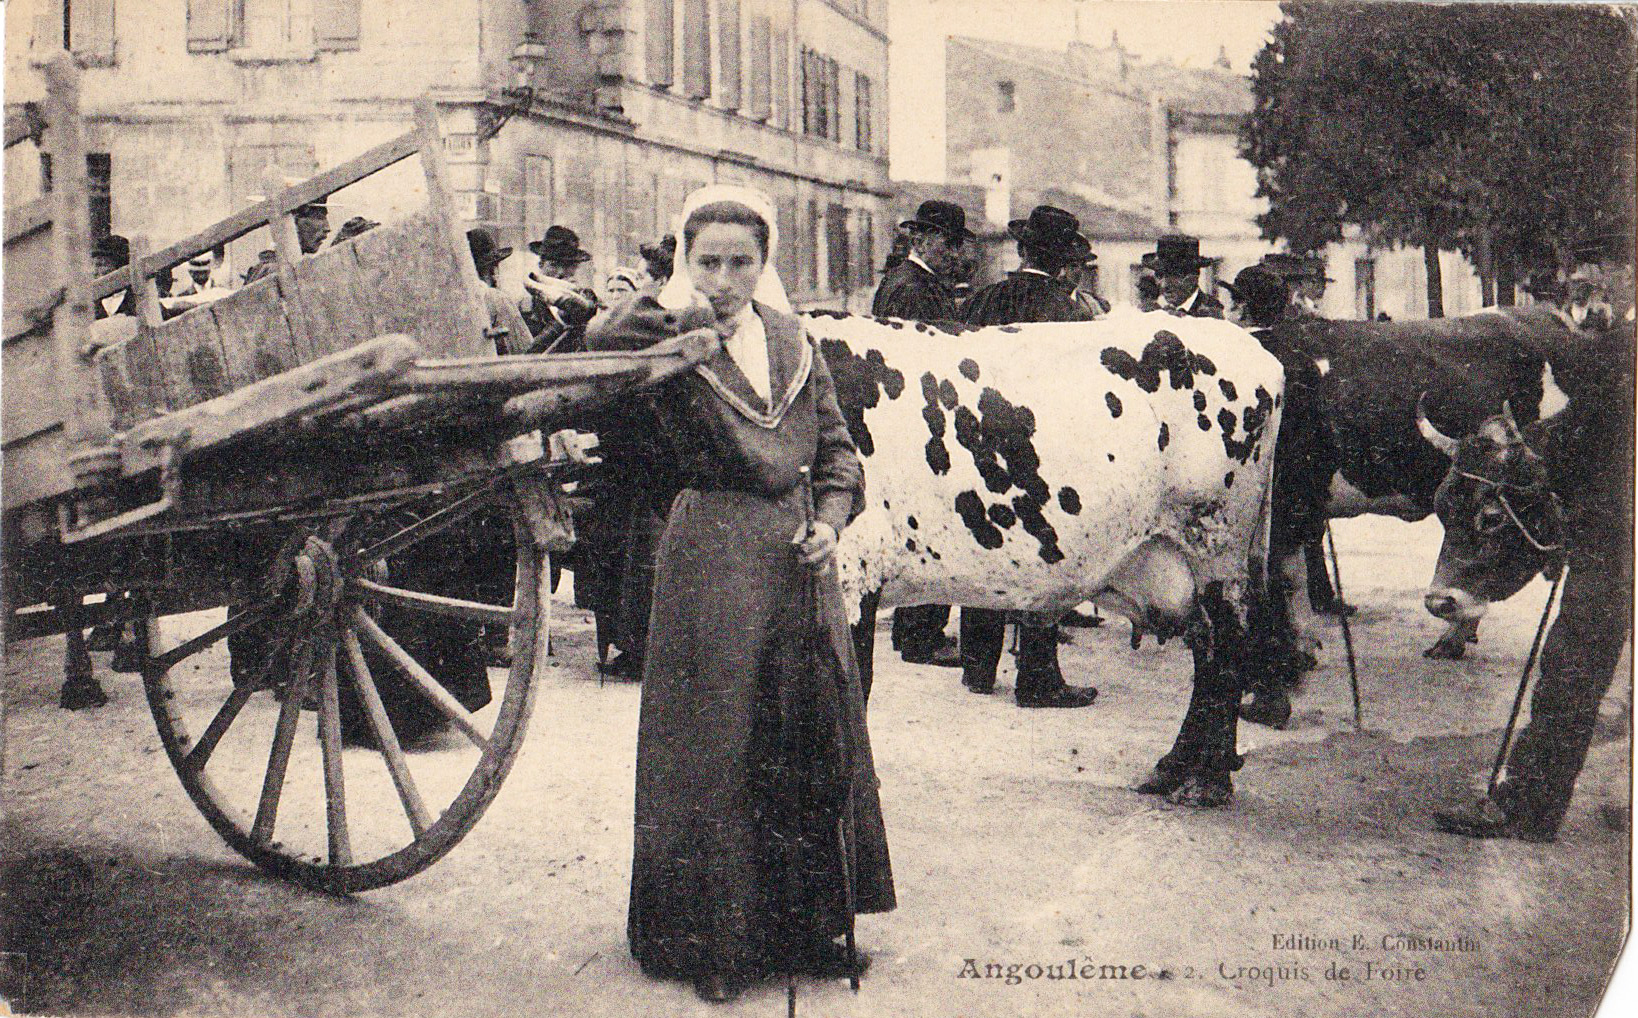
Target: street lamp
(526, 56)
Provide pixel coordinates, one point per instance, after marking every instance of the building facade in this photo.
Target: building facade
(1157, 142)
(597, 114)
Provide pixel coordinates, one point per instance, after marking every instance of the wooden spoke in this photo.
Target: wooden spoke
(278, 759)
(452, 607)
(422, 529)
(419, 818)
(419, 676)
(335, 794)
(199, 755)
(248, 617)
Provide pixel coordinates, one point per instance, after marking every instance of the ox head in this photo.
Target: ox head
(1502, 522)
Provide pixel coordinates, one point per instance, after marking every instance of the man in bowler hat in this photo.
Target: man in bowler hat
(1048, 242)
(555, 309)
(919, 289)
(1176, 263)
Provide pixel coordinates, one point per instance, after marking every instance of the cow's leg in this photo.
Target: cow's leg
(983, 633)
(1452, 646)
(1197, 771)
(864, 641)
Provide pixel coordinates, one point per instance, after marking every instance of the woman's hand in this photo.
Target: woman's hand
(817, 547)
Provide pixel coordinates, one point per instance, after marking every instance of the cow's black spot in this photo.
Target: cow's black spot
(1036, 525)
(828, 313)
(968, 368)
(936, 556)
(1000, 439)
(938, 457)
(1254, 420)
(1114, 404)
(1199, 401)
(1228, 479)
(1204, 422)
(947, 394)
(1069, 500)
(1165, 438)
(1229, 391)
(860, 385)
(1111, 456)
(1002, 516)
(1009, 328)
(910, 544)
(1163, 353)
(971, 510)
(913, 524)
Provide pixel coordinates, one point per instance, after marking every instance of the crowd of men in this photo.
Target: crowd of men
(929, 277)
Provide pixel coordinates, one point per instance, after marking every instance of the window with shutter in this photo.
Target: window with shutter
(836, 248)
(861, 113)
(865, 264)
(99, 188)
(213, 25)
(789, 240)
(833, 100)
(336, 24)
(810, 248)
(696, 49)
(779, 104)
(659, 41)
(728, 54)
(757, 70)
(91, 31)
(805, 69)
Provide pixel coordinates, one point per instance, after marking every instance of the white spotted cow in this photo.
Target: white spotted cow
(1033, 467)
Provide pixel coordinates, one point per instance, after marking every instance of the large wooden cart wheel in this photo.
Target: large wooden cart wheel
(341, 641)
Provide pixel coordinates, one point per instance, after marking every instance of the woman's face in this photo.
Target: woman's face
(725, 263)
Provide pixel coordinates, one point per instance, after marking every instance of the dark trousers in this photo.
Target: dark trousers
(919, 631)
(1578, 663)
(983, 634)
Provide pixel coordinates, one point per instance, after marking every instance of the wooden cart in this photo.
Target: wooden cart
(322, 452)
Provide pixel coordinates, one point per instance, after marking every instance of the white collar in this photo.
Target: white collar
(915, 259)
(1038, 272)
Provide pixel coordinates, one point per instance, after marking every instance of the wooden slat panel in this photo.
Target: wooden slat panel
(24, 219)
(253, 218)
(334, 305)
(412, 281)
(190, 355)
(255, 336)
(33, 398)
(30, 280)
(131, 381)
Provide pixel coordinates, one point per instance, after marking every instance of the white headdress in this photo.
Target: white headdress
(678, 291)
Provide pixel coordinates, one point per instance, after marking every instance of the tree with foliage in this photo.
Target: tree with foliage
(1502, 131)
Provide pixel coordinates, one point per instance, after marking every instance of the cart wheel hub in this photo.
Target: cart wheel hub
(314, 583)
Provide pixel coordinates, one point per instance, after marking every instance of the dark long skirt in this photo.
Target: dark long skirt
(736, 860)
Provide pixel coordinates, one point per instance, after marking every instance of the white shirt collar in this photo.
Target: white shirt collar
(1038, 272)
(915, 259)
(748, 347)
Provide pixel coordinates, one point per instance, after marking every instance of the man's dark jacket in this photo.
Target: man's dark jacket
(1025, 296)
(912, 292)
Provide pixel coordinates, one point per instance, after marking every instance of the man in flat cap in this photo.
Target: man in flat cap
(554, 307)
(920, 289)
(1176, 263)
(1048, 242)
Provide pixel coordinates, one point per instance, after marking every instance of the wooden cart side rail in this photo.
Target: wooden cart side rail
(261, 214)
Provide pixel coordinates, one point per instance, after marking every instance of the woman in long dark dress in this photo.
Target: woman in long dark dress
(756, 794)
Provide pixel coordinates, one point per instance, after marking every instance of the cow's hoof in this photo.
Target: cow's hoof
(1268, 707)
(1203, 790)
(1067, 696)
(1447, 650)
(80, 692)
(1081, 620)
(1160, 781)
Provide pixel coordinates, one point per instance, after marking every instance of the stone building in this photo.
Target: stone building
(598, 114)
(1154, 141)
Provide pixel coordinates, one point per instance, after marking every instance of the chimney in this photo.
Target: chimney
(1222, 60)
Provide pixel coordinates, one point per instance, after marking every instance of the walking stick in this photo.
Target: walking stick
(1524, 682)
(845, 756)
(1347, 631)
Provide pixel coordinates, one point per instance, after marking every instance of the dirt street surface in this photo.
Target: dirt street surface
(1021, 858)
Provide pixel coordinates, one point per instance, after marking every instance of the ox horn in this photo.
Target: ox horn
(1436, 438)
